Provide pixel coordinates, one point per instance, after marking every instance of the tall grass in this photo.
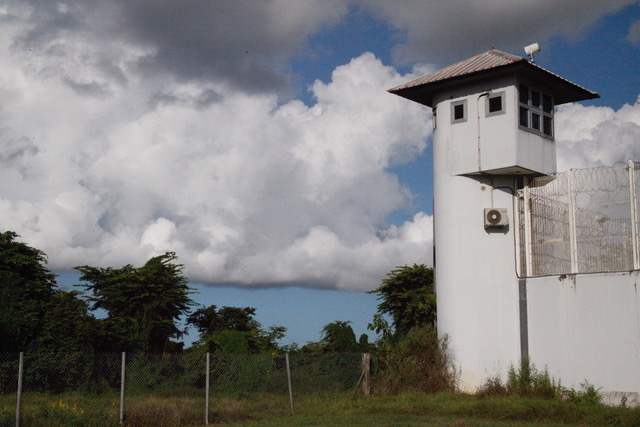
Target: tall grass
(420, 361)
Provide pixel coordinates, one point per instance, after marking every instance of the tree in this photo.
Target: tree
(407, 295)
(233, 330)
(339, 337)
(34, 313)
(208, 320)
(143, 304)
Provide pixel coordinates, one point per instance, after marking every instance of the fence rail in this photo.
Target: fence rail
(203, 382)
(580, 221)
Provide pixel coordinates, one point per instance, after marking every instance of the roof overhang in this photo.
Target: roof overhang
(423, 89)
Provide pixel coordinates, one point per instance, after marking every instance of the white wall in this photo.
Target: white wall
(587, 327)
(477, 288)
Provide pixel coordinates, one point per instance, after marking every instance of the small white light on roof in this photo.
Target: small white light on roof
(531, 50)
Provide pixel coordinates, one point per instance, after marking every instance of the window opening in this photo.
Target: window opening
(535, 121)
(495, 104)
(535, 112)
(524, 117)
(524, 94)
(459, 111)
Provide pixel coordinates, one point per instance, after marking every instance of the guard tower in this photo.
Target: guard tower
(493, 119)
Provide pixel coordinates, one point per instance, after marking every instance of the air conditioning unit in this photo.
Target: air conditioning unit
(495, 218)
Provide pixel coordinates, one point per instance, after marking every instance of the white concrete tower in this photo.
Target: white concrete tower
(493, 125)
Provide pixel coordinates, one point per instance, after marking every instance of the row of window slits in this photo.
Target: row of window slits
(495, 105)
(536, 110)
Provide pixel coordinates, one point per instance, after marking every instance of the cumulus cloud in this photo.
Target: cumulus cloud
(243, 43)
(597, 136)
(128, 129)
(246, 190)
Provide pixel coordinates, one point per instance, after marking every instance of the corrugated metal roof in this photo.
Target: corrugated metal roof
(422, 89)
(485, 61)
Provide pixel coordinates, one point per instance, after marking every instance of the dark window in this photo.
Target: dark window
(524, 117)
(536, 111)
(547, 125)
(535, 121)
(535, 99)
(524, 94)
(458, 112)
(547, 104)
(495, 104)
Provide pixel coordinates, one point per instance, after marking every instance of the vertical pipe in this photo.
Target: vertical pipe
(19, 394)
(524, 321)
(573, 243)
(286, 356)
(122, 378)
(634, 215)
(206, 393)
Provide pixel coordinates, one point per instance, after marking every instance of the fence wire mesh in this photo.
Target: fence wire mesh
(85, 389)
(580, 221)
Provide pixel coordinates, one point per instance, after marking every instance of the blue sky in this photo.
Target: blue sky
(257, 139)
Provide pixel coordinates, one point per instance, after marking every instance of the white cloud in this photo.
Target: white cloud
(122, 137)
(589, 136)
(245, 190)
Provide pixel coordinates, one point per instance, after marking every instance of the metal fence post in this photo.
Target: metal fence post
(122, 379)
(528, 246)
(573, 235)
(634, 215)
(286, 356)
(19, 396)
(206, 392)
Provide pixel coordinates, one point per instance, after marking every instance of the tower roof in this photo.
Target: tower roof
(492, 63)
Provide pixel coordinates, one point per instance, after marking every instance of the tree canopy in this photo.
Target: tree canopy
(144, 308)
(407, 295)
(233, 330)
(34, 313)
(143, 304)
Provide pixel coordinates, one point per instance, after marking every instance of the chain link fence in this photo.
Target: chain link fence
(145, 389)
(580, 221)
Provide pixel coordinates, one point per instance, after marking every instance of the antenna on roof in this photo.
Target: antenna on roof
(531, 50)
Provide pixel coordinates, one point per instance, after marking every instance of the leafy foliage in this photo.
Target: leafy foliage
(233, 330)
(419, 361)
(527, 380)
(407, 295)
(143, 304)
(34, 314)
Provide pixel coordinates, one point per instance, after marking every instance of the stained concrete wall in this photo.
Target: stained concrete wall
(587, 328)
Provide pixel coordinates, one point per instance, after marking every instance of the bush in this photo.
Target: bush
(528, 381)
(588, 395)
(417, 362)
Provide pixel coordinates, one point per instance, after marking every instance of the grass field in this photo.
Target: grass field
(452, 409)
(411, 409)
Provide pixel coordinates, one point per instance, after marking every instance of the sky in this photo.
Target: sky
(256, 139)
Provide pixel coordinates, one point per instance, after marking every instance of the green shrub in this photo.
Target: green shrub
(528, 381)
(419, 361)
(588, 395)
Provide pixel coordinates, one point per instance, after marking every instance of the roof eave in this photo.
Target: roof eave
(564, 90)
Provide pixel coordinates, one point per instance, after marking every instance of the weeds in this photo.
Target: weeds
(528, 381)
(587, 395)
(420, 361)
